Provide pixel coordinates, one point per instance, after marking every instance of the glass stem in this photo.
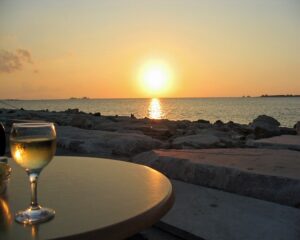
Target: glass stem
(33, 177)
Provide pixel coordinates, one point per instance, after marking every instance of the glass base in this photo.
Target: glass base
(34, 215)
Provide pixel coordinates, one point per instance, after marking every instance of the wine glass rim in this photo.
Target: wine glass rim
(33, 124)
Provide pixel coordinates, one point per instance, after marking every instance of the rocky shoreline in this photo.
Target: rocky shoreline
(125, 136)
(238, 177)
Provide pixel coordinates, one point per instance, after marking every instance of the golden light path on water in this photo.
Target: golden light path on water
(155, 109)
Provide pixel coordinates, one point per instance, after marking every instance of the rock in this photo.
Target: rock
(202, 124)
(240, 128)
(81, 122)
(264, 133)
(265, 120)
(287, 131)
(291, 142)
(72, 110)
(183, 124)
(97, 114)
(231, 126)
(203, 121)
(208, 138)
(265, 126)
(156, 132)
(266, 174)
(103, 143)
(218, 123)
(297, 127)
(250, 137)
(196, 141)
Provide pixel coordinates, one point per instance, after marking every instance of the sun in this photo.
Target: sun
(155, 77)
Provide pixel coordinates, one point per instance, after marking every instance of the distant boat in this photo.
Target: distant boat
(82, 98)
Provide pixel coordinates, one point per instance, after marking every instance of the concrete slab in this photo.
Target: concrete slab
(204, 213)
(291, 142)
(268, 174)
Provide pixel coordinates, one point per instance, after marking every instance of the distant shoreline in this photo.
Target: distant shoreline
(280, 96)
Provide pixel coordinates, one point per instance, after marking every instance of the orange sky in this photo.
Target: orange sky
(62, 49)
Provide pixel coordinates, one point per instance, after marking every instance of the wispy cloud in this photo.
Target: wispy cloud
(14, 61)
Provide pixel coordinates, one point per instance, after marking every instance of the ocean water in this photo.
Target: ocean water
(241, 110)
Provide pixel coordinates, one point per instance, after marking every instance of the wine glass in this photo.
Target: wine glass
(32, 146)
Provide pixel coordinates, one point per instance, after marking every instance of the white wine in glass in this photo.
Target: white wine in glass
(33, 146)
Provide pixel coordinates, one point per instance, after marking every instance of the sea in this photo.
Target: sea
(241, 110)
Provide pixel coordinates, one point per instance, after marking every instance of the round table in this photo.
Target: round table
(94, 198)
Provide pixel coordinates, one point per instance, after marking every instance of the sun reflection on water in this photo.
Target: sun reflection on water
(155, 109)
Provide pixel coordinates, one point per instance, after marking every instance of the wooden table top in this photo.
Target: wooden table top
(94, 198)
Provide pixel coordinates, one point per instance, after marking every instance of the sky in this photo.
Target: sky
(99, 49)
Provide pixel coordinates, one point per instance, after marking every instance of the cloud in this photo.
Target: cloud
(24, 55)
(14, 61)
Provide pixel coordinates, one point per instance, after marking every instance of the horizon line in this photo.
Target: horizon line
(119, 98)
